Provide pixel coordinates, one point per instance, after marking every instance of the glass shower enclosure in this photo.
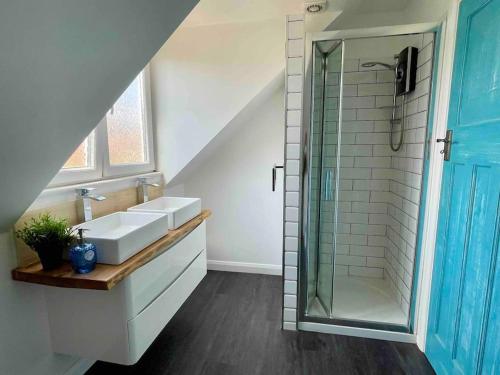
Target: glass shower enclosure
(322, 182)
(362, 179)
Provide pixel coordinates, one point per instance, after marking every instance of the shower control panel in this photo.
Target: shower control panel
(406, 71)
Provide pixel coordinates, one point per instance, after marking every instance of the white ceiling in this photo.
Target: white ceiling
(375, 6)
(210, 12)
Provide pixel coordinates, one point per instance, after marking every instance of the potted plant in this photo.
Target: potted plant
(49, 237)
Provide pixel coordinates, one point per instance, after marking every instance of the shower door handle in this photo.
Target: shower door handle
(274, 175)
(328, 185)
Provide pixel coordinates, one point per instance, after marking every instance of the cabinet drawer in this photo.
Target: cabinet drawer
(143, 329)
(149, 281)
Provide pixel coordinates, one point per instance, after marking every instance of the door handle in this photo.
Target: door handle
(274, 175)
(446, 151)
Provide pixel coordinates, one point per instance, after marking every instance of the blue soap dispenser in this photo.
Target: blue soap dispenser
(83, 255)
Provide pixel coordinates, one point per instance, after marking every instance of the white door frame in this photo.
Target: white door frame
(440, 120)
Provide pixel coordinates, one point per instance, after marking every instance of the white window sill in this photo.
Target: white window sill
(54, 195)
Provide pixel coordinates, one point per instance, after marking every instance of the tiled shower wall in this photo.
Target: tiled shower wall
(295, 74)
(365, 169)
(406, 180)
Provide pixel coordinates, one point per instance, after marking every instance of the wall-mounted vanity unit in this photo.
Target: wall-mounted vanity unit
(115, 313)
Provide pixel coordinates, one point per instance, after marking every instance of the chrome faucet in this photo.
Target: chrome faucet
(143, 188)
(85, 194)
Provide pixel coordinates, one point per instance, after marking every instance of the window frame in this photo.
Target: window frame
(103, 169)
(120, 170)
(76, 175)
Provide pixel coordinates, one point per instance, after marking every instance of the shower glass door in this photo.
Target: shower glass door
(326, 88)
(362, 196)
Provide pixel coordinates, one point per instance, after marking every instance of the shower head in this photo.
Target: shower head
(371, 64)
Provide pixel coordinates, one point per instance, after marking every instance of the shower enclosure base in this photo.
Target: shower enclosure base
(362, 299)
(357, 332)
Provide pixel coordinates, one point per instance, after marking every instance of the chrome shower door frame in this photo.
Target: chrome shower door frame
(306, 171)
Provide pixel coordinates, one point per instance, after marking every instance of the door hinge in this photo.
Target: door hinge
(446, 151)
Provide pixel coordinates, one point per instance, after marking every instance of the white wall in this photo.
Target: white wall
(428, 10)
(245, 231)
(63, 65)
(24, 332)
(380, 49)
(203, 77)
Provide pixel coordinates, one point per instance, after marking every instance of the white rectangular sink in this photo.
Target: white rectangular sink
(179, 210)
(123, 234)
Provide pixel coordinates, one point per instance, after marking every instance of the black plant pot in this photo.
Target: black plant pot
(51, 257)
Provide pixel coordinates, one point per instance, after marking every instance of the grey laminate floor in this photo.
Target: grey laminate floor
(231, 325)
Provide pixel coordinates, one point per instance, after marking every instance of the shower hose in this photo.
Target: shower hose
(393, 117)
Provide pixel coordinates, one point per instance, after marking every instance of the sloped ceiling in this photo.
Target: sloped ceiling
(212, 69)
(203, 77)
(213, 12)
(63, 63)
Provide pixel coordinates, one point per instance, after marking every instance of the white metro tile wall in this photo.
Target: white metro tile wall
(365, 183)
(405, 188)
(381, 189)
(290, 287)
(294, 84)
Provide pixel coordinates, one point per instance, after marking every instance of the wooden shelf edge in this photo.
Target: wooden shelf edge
(61, 282)
(105, 276)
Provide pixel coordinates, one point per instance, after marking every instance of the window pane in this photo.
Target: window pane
(83, 156)
(126, 126)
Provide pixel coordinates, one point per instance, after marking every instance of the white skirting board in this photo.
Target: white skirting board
(265, 269)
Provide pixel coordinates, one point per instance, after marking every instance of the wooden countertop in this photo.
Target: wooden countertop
(105, 276)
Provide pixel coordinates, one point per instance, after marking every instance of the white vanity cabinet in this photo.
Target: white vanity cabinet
(118, 325)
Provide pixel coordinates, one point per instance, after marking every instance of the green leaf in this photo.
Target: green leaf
(46, 230)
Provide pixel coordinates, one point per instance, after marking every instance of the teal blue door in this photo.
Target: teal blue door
(464, 320)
